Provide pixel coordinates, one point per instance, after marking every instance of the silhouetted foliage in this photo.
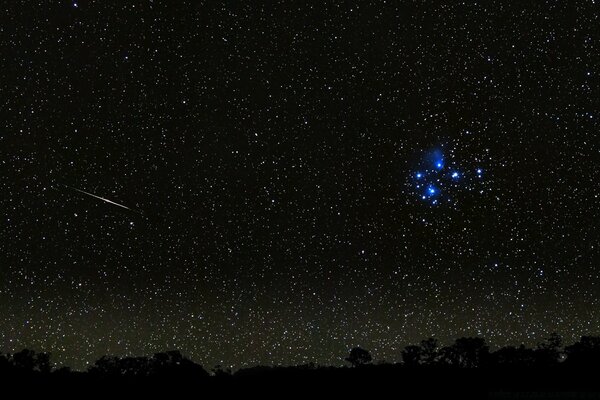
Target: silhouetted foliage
(171, 363)
(585, 353)
(26, 361)
(359, 357)
(429, 350)
(513, 357)
(467, 363)
(469, 352)
(5, 363)
(549, 352)
(219, 372)
(411, 355)
(425, 354)
(64, 371)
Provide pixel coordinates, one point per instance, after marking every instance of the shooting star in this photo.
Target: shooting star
(103, 199)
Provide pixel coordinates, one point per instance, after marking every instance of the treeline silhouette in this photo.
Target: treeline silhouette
(467, 365)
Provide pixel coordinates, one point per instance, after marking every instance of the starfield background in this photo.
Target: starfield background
(276, 183)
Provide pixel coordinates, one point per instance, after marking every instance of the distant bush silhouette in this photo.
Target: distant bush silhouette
(219, 372)
(471, 352)
(585, 353)
(467, 363)
(25, 362)
(359, 357)
(513, 357)
(425, 354)
(549, 352)
(171, 363)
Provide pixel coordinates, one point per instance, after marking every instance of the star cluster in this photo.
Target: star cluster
(440, 181)
(273, 152)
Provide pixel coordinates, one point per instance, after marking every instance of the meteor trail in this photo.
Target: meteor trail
(101, 198)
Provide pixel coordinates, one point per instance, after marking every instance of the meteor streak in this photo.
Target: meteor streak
(100, 198)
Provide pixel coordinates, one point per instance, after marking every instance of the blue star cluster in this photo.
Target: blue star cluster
(438, 180)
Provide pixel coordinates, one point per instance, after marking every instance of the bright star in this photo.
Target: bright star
(436, 157)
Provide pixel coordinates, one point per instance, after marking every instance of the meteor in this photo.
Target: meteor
(101, 198)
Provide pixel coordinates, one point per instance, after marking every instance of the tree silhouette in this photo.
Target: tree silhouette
(549, 352)
(169, 364)
(24, 360)
(504, 367)
(106, 366)
(511, 356)
(429, 352)
(42, 362)
(359, 357)
(411, 356)
(424, 354)
(219, 372)
(468, 352)
(4, 362)
(30, 361)
(584, 353)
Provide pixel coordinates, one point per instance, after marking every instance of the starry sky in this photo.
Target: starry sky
(296, 178)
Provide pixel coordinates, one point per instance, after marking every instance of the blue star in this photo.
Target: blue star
(455, 174)
(437, 158)
(419, 175)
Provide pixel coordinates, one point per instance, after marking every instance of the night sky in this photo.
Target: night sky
(277, 183)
